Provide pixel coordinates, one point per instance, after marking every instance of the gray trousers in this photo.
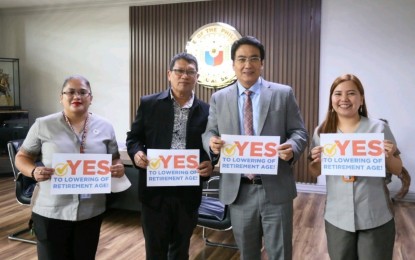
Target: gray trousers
(254, 217)
(376, 243)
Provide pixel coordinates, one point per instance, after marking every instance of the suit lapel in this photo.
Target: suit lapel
(264, 103)
(232, 100)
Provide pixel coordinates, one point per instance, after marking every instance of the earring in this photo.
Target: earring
(361, 109)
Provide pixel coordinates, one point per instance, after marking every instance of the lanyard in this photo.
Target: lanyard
(85, 130)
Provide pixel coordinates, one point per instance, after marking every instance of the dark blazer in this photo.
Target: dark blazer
(152, 129)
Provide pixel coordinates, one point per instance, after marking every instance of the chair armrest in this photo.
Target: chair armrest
(210, 191)
(24, 187)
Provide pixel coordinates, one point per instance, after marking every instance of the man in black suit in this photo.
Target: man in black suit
(172, 119)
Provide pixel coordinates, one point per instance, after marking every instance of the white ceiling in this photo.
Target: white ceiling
(15, 4)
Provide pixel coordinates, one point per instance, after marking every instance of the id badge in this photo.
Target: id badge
(85, 196)
(349, 178)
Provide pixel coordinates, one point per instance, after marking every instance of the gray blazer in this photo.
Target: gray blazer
(279, 116)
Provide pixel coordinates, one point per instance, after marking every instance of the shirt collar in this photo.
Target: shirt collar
(188, 104)
(254, 88)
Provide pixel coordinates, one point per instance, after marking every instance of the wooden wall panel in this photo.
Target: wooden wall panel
(289, 30)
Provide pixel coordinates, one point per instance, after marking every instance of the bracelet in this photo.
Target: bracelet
(33, 173)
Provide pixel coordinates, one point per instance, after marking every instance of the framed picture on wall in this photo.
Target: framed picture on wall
(9, 84)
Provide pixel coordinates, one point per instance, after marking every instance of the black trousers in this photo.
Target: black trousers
(168, 229)
(66, 240)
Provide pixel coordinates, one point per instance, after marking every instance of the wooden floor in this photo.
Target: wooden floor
(122, 238)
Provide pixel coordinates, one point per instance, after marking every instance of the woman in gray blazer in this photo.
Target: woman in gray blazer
(358, 216)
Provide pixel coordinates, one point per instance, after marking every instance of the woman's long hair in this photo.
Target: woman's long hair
(329, 124)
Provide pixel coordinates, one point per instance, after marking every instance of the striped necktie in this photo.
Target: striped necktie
(248, 121)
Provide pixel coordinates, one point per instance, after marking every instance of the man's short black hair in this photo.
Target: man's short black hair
(184, 56)
(250, 40)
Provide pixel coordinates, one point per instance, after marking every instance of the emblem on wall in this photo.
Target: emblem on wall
(211, 45)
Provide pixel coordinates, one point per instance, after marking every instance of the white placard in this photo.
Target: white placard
(353, 154)
(120, 184)
(249, 154)
(81, 173)
(172, 167)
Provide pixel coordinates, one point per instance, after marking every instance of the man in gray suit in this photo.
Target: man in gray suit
(260, 206)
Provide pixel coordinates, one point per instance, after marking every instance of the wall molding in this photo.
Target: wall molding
(70, 5)
(321, 189)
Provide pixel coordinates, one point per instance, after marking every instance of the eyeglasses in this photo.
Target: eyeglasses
(180, 72)
(243, 60)
(81, 93)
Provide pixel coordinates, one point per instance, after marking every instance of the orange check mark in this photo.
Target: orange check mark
(330, 149)
(62, 169)
(230, 149)
(154, 164)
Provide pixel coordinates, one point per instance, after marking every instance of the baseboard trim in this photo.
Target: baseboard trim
(311, 188)
(410, 197)
(321, 189)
